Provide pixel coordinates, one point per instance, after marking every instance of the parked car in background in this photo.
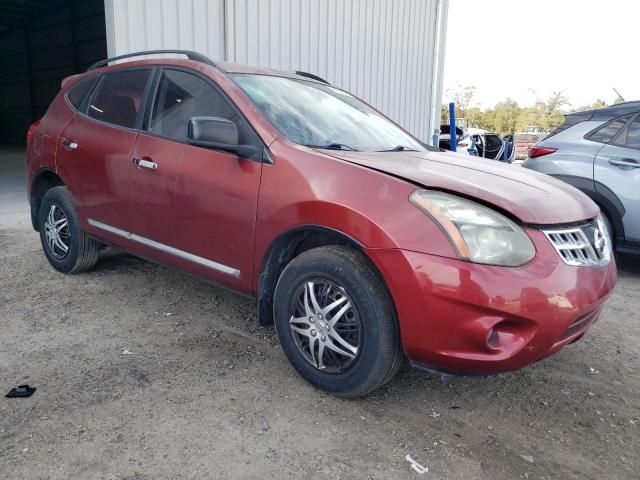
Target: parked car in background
(445, 137)
(488, 145)
(510, 147)
(361, 244)
(523, 141)
(598, 152)
(475, 142)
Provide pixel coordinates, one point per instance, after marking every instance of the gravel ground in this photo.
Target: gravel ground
(206, 393)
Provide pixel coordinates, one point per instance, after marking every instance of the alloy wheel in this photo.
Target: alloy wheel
(325, 325)
(57, 233)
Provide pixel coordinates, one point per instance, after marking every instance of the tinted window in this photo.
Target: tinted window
(494, 142)
(77, 93)
(181, 96)
(630, 137)
(118, 97)
(609, 130)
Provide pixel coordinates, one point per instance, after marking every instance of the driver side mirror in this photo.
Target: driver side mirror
(212, 129)
(218, 134)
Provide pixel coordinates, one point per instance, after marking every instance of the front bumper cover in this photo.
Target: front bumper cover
(463, 317)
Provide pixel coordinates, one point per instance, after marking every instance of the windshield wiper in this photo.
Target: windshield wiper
(334, 146)
(400, 148)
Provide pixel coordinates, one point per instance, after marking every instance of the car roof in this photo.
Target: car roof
(607, 113)
(193, 59)
(232, 68)
(229, 67)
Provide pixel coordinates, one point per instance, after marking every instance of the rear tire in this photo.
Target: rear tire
(66, 246)
(350, 349)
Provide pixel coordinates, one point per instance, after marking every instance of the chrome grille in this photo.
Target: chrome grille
(584, 246)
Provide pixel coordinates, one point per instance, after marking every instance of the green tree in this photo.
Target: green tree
(462, 97)
(508, 117)
(599, 103)
(556, 101)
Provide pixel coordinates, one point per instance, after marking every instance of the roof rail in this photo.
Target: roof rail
(198, 57)
(311, 76)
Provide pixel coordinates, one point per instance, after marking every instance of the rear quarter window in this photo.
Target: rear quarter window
(606, 132)
(76, 94)
(630, 136)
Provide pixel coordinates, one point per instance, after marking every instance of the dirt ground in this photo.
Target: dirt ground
(206, 393)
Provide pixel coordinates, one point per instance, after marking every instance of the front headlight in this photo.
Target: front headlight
(477, 233)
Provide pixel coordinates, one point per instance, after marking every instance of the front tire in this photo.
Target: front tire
(336, 321)
(66, 246)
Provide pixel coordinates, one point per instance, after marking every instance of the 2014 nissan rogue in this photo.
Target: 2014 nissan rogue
(361, 244)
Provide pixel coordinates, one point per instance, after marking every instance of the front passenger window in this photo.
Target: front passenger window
(181, 96)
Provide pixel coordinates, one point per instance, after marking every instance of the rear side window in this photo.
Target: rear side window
(182, 95)
(605, 133)
(630, 137)
(118, 97)
(77, 93)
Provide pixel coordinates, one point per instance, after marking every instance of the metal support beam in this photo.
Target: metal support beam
(27, 43)
(74, 36)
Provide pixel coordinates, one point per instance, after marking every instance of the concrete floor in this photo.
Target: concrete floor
(207, 393)
(14, 209)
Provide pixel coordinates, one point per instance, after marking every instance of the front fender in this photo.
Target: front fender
(341, 218)
(305, 187)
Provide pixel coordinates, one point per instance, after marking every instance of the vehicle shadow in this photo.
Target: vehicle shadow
(191, 295)
(628, 264)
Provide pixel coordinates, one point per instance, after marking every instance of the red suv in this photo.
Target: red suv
(363, 245)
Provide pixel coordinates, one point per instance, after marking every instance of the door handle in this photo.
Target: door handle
(68, 144)
(625, 162)
(144, 163)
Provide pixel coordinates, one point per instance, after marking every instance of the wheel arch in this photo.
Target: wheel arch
(44, 180)
(285, 248)
(605, 198)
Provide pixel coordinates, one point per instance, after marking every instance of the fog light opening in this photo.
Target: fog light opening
(493, 339)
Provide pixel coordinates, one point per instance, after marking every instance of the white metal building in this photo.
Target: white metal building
(388, 52)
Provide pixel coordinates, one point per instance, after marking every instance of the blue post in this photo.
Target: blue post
(452, 126)
(505, 152)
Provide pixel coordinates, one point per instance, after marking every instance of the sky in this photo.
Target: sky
(526, 49)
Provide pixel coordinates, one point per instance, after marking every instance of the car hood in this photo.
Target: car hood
(530, 196)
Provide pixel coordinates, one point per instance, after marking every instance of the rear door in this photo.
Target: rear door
(617, 167)
(94, 151)
(194, 207)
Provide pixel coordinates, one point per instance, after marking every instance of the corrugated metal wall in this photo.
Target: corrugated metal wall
(134, 25)
(381, 50)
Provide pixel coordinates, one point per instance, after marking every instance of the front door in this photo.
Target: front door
(190, 206)
(94, 151)
(617, 167)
